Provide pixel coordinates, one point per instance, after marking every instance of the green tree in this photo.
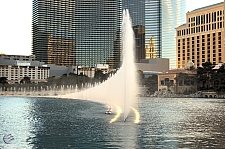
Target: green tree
(3, 81)
(218, 79)
(99, 75)
(25, 80)
(152, 83)
(168, 83)
(204, 76)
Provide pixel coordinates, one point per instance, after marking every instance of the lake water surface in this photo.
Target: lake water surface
(68, 123)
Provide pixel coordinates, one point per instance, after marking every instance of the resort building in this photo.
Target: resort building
(15, 74)
(201, 39)
(16, 67)
(77, 32)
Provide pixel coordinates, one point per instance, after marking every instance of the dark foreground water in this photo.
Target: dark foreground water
(65, 123)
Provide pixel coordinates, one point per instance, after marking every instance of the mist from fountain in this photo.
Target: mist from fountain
(121, 88)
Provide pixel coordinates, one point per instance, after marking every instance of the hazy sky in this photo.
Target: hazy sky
(16, 18)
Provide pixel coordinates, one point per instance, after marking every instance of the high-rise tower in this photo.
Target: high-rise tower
(153, 24)
(173, 14)
(77, 32)
(137, 14)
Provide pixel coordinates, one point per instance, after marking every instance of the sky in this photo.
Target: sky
(16, 24)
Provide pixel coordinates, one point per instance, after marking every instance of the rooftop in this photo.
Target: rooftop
(177, 71)
(182, 25)
(207, 6)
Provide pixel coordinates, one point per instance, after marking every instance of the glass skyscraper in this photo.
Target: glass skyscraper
(77, 32)
(146, 18)
(137, 13)
(153, 26)
(173, 15)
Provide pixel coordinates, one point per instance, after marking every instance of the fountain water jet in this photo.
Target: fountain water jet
(121, 88)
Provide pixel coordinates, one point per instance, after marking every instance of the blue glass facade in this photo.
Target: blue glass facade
(153, 24)
(77, 32)
(137, 13)
(173, 15)
(88, 32)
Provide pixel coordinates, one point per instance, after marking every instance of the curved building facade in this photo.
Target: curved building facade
(173, 15)
(77, 32)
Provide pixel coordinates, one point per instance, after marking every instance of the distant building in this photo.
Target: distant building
(201, 39)
(167, 81)
(16, 67)
(15, 74)
(19, 60)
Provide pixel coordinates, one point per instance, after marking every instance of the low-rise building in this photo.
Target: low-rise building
(15, 74)
(16, 67)
(177, 81)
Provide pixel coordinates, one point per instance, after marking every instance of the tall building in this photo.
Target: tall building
(146, 18)
(153, 24)
(137, 13)
(77, 32)
(201, 39)
(173, 14)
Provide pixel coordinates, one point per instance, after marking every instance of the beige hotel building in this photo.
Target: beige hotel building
(201, 39)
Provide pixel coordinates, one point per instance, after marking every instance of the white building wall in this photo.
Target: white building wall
(17, 73)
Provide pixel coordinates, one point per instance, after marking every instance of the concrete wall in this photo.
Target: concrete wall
(155, 64)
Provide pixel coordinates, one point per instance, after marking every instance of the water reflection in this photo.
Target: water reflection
(64, 123)
(67, 123)
(182, 123)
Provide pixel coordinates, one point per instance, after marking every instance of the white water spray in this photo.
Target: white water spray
(121, 88)
(128, 66)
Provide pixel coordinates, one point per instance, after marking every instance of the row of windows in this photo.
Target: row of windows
(87, 25)
(213, 36)
(198, 29)
(180, 83)
(206, 18)
(209, 49)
